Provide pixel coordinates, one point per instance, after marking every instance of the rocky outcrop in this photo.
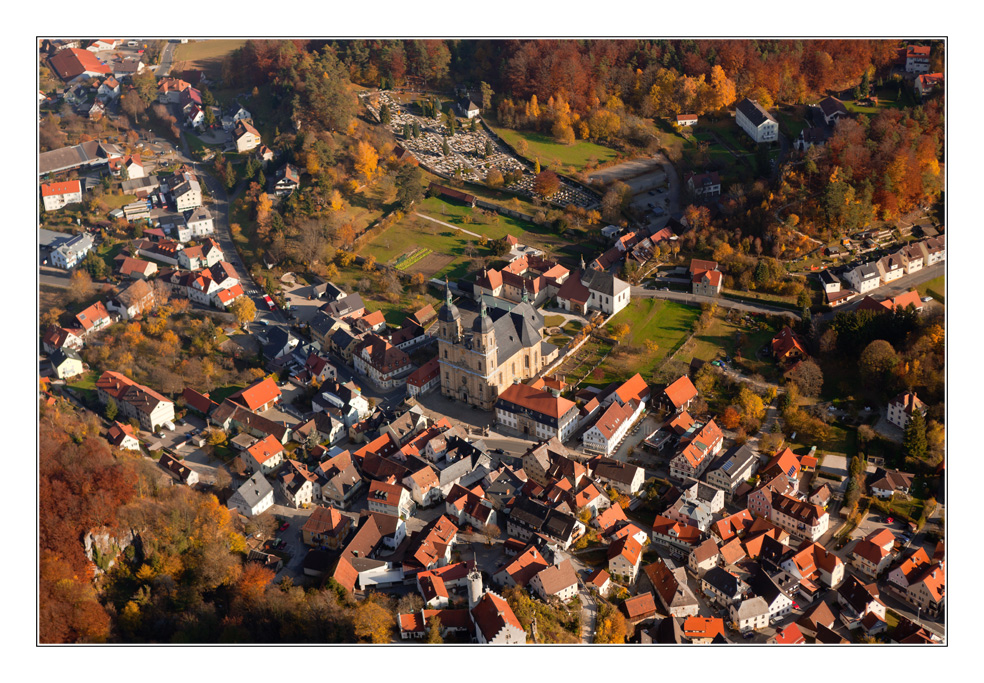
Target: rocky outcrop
(103, 546)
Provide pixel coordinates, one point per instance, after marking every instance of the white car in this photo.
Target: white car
(927, 299)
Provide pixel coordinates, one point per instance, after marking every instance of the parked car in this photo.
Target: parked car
(269, 302)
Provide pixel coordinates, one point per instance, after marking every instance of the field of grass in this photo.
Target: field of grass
(841, 441)
(416, 232)
(555, 155)
(553, 320)
(206, 55)
(935, 288)
(668, 323)
(222, 393)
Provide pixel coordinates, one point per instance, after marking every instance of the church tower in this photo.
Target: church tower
(484, 339)
(449, 318)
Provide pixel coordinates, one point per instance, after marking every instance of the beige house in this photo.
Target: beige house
(246, 136)
(557, 581)
(264, 455)
(872, 554)
(624, 559)
(902, 407)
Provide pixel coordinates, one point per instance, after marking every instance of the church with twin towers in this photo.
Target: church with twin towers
(480, 356)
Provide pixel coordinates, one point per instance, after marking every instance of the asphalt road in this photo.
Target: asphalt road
(167, 58)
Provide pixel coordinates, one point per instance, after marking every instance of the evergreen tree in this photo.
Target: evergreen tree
(416, 129)
(437, 107)
(914, 438)
(261, 178)
(536, 166)
(384, 114)
(111, 409)
(489, 149)
(445, 147)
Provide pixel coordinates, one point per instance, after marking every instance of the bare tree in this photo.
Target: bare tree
(491, 532)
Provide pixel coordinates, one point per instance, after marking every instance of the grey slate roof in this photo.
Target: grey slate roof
(255, 489)
(754, 112)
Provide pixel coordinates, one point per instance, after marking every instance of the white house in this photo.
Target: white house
(495, 622)
(864, 278)
(69, 254)
(624, 559)
(607, 434)
(756, 121)
(917, 59)
(594, 290)
(901, 408)
(199, 223)
(57, 195)
(254, 497)
(751, 614)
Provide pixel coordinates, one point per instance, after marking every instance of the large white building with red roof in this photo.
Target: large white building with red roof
(58, 195)
(536, 412)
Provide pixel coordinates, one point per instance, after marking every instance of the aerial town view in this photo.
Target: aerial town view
(491, 341)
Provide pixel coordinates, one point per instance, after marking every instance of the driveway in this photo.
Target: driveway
(291, 536)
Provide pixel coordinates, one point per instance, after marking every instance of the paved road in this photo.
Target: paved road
(167, 58)
(696, 299)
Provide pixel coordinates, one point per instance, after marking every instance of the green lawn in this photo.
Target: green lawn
(668, 323)
(195, 144)
(222, 393)
(935, 288)
(116, 201)
(793, 124)
(553, 320)
(841, 441)
(108, 254)
(553, 154)
(889, 95)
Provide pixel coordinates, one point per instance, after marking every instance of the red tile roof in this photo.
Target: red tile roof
(641, 606)
(55, 189)
(633, 389)
(72, 62)
(681, 391)
(698, 628)
(265, 449)
(536, 400)
(258, 394)
(492, 613)
(614, 417)
(789, 635)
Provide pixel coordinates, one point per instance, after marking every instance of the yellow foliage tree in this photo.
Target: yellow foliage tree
(366, 160)
(373, 623)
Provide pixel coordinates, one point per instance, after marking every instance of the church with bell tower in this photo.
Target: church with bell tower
(479, 360)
